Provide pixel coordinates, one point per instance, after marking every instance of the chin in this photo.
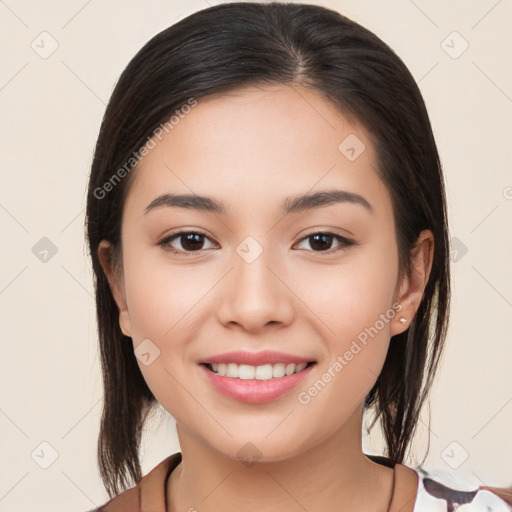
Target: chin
(258, 449)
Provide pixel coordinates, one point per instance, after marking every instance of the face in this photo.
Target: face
(319, 282)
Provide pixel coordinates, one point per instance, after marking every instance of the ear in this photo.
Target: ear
(410, 290)
(117, 287)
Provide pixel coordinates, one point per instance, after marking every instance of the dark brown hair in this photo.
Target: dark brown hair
(229, 46)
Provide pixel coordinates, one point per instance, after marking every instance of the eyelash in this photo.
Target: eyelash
(164, 243)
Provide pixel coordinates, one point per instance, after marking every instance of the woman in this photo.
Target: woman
(267, 225)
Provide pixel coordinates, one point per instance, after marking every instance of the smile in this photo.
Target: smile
(262, 372)
(256, 384)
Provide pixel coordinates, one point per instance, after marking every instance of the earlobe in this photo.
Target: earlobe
(125, 323)
(116, 285)
(412, 286)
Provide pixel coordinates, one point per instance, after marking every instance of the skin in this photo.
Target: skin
(251, 149)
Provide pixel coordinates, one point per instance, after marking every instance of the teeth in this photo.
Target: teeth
(264, 372)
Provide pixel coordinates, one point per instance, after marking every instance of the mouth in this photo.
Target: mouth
(256, 377)
(259, 373)
(256, 384)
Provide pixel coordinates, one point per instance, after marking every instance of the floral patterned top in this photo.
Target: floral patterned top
(441, 491)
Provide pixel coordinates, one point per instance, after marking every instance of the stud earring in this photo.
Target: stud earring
(403, 320)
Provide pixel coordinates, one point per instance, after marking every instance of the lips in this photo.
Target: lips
(256, 358)
(252, 390)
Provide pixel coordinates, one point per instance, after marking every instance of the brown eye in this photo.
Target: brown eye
(190, 241)
(322, 242)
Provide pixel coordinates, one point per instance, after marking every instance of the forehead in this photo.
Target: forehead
(254, 146)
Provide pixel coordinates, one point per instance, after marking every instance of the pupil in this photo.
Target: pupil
(321, 245)
(189, 241)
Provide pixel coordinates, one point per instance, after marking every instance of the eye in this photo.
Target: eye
(191, 241)
(323, 240)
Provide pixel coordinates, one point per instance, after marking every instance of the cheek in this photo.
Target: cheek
(161, 303)
(167, 304)
(353, 296)
(163, 299)
(356, 330)
(353, 311)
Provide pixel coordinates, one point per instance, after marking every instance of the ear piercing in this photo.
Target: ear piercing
(403, 320)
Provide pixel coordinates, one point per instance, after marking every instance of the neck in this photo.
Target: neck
(330, 473)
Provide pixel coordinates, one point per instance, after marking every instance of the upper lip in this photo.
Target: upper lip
(255, 358)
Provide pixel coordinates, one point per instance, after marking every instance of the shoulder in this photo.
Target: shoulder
(443, 491)
(128, 501)
(148, 494)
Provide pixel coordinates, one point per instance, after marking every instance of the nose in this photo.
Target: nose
(255, 294)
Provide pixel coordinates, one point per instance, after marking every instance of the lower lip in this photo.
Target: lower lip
(256, 391)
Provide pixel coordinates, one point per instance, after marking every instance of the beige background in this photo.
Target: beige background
(51, 110)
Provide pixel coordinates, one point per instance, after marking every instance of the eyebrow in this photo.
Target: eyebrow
(290, 204)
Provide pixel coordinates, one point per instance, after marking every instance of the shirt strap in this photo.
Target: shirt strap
(405, 488)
